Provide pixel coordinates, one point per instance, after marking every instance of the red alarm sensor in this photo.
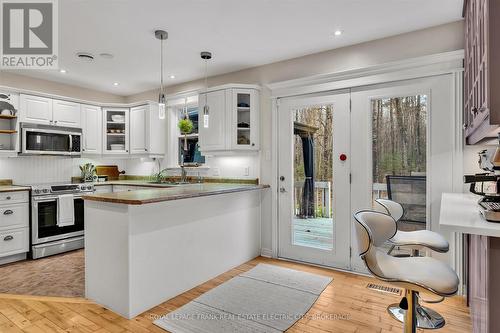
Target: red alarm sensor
(343, 157)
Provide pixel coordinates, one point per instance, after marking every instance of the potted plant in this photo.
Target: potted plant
(186, 127)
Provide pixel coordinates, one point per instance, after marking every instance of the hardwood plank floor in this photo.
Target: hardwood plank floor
(346, 305)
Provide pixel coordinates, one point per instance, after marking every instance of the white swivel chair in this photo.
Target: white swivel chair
(415, 240)
(414, 274)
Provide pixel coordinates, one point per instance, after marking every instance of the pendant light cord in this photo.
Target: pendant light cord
(206, 76)
(161, 67)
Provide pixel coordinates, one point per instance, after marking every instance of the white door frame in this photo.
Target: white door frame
(431, 65)
(338, 256)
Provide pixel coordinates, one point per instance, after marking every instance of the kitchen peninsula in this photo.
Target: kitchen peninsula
(146, 246)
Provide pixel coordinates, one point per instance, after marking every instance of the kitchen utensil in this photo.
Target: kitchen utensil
(111, 171)
(88, 172)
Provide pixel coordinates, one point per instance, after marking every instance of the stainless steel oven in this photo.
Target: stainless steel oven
(47, 237)
(50, 140)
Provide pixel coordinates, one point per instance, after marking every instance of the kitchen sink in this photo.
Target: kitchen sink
(169, 183)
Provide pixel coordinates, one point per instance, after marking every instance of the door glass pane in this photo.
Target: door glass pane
(399, 127)
(313, 172)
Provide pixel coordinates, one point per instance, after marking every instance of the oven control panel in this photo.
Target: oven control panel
(61, 189)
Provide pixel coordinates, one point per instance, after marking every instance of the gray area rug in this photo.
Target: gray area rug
(267, 298)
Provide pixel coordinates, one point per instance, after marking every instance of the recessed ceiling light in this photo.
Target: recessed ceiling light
(63, 71)
(106, 55)
(116, 84)
(338, 32)
(172, 77)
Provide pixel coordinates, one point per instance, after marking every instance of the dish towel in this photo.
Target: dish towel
(66, 210)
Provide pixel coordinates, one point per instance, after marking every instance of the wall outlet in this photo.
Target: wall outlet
(216, 172)
(246, 171)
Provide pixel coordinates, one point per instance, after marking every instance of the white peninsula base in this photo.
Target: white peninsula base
(138, 256)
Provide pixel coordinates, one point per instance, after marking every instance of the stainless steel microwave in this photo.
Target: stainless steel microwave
(39, 139)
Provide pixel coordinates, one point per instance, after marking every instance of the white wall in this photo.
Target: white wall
(32, 169)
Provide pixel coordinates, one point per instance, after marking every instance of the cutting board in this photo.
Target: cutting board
(109, 170)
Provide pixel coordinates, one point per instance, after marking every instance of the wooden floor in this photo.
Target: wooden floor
(346, 305)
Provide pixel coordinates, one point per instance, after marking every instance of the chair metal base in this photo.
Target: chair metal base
(427, 319)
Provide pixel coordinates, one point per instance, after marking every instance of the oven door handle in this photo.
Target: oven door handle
(52, 198)
(70, 143)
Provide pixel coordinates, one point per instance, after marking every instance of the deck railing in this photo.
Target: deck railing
(322, 198)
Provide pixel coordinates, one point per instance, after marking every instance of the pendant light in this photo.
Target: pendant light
(161, 35)
(205, 55)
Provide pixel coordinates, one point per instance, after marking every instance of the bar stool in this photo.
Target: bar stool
(415, 240)
(414, 274)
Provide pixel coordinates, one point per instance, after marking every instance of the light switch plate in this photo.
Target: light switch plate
(216, 172)
(246, 171)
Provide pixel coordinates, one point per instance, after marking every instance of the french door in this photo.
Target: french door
(340, 152)
(314, 191)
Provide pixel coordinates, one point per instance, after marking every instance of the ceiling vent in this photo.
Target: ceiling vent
(85, 56)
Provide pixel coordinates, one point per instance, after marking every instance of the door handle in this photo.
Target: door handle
(282, 190)
(8, 212)
(8, 238)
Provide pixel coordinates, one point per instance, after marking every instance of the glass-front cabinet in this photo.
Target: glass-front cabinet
(233, 119)
(116, 131)
(245, 119)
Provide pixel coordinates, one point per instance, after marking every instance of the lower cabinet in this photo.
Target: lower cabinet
(14, 226)
(483, 288)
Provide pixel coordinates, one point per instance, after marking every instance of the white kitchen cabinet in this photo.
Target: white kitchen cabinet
(233, 119)
(116, 131)
(245, 119)
(92, 129)
(67, 114)
(138, 138)
(147, 130)
(14, 226)
(47, 111)
(214, 137)
(103, 189)
(35, 109)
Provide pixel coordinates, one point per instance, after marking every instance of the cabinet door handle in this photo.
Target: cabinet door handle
(8, 238)
(8, 198)
(253, 144)
(8, 212)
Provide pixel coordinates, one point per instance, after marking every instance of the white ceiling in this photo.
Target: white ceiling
(240, 33)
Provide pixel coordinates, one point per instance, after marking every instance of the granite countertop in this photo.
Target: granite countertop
(141, 197)
(13, 188)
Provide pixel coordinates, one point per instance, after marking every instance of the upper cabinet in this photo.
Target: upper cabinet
(147, 130)
(47, 111)
(35, 109)
(66, 114)
(116, 131)
(92, 129)
(139, 130)
(233, 119)
(213, 135)
(138, 138)
(482, 70)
